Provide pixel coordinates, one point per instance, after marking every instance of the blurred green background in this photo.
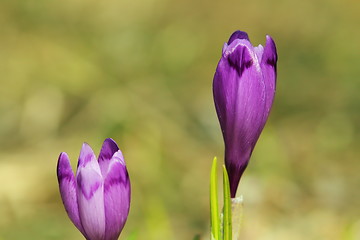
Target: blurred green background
(141, 73)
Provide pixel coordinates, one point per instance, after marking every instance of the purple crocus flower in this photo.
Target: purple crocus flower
(244, 89)
(97, 199)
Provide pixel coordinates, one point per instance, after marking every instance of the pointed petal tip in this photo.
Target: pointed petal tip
(238, 35)
(85, 148)
(118, 156)
(270, 45)
(62, 154)
(63, 158)
(270, 56)
(107, 152)
(85, 145)
(110, 141)
(86, 155)
(63, 166)
(269, 38)
(108, 149)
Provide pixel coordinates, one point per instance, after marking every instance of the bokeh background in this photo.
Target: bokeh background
(141, 73)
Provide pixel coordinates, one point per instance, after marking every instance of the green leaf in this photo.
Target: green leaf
(214, 210)
(227, 228)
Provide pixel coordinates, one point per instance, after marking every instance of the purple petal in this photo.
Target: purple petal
(268, 68)
(67, 187)
(241, 99)
(117, 196)
(238, 35)
(108, 149)
(90, 194)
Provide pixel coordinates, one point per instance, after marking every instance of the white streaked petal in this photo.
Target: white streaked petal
(90, 194)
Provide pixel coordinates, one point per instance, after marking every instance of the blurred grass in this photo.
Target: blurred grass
(141, 73)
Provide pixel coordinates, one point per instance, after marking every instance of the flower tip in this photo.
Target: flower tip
(270, 52)
(63, 155)
(110, 143)
(118, 156)
(63, 166)
(62, 160)
(108, 149)
(238, 35)
(85, 147)
(270, 41)
(86, 154)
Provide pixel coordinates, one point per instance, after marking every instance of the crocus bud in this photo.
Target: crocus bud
(97, 199)
(244, 89)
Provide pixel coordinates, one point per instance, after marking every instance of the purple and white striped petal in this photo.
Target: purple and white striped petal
(67, 187)
(108, 149)
(117, 196)
(90, 194)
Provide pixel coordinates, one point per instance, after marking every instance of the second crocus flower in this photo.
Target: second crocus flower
(244, 89)
(97, 199)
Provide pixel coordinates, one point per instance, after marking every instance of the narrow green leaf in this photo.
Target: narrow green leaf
(214, 209)
(227, 228)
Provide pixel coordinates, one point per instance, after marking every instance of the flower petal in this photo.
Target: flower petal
(239, 95)
(117, 196)
(90, 194)
(108, 149)
(67, 187)
(238, 35)
(268, 68)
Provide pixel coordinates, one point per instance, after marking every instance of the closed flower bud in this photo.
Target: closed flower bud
(97, 199)
(244, 89)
